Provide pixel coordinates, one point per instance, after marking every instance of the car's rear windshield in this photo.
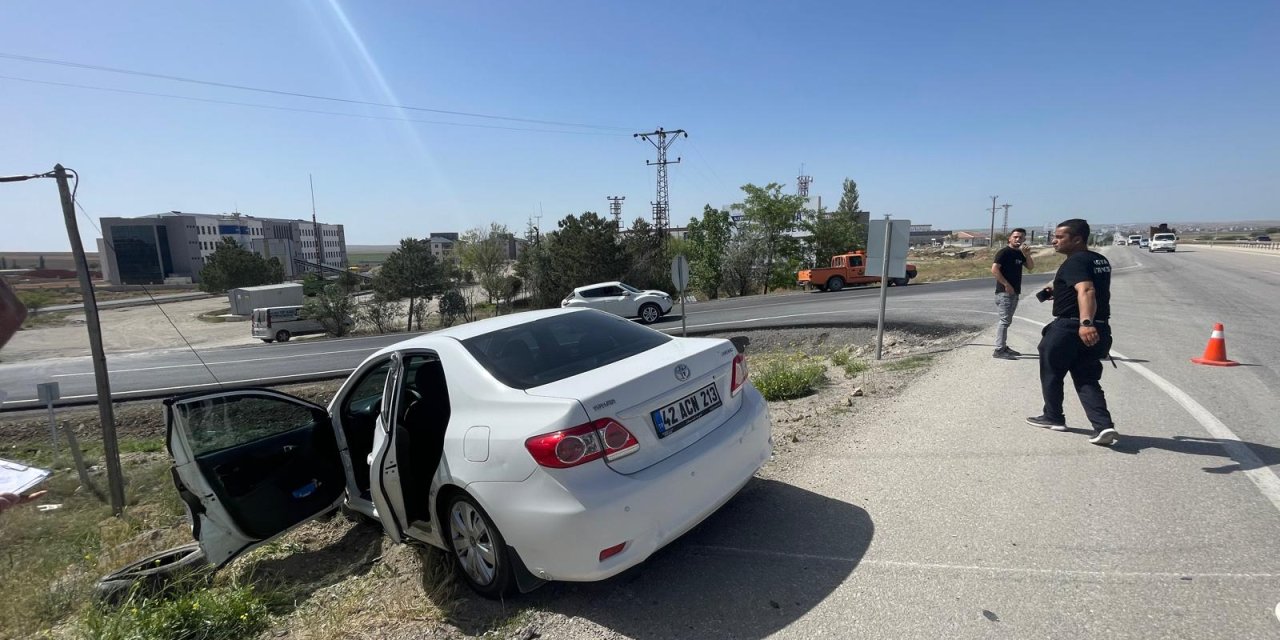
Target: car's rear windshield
(551, 349)
(1163, 236)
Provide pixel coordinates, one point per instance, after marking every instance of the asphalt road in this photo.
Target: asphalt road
(159, 373)
(941, 514)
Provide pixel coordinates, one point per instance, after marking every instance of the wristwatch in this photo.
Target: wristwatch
(1086, 322)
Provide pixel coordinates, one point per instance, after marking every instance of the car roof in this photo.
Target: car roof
(612, 283)
(479, 327)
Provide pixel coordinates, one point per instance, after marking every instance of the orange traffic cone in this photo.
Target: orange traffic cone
(1215, 353)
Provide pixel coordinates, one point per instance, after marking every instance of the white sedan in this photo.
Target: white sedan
(621, 299)
(548, 445)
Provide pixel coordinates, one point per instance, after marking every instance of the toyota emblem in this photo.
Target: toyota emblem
(682, 372)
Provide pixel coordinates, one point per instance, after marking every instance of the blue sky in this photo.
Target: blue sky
(1117, 111)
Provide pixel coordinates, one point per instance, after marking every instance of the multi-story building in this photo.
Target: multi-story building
(175, 246)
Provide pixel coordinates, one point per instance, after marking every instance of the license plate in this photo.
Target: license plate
(685, 410)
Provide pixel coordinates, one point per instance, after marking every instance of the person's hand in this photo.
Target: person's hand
(1089, 336)
(9, 500)
(1008, 288)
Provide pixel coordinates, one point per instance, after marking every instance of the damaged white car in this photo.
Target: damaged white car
(549, 445)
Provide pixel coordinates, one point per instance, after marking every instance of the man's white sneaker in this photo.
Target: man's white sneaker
(1106, 438)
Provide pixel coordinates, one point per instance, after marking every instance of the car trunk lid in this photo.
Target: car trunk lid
(686, 380)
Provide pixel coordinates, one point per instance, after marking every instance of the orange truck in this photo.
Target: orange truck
(846, 269)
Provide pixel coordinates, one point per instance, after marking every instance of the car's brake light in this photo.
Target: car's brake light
(605, 438)
(740, 374)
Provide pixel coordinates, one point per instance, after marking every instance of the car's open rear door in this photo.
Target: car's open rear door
(251, 464)
(384, 463)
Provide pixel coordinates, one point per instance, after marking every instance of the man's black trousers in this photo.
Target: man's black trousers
(1062, 352)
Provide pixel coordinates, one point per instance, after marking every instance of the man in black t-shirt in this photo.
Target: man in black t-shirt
(1007, 269)
(1080, 335)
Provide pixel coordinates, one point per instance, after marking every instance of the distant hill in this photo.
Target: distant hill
(371, 248)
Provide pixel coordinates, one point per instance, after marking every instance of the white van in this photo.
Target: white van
(271, 324)
(1135, 239)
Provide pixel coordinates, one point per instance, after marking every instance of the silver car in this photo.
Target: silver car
(621, 299)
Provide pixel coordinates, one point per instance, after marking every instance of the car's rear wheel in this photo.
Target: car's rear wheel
(479, 548)
(268, 340)
(835, 283)
(900, 282)
(650, 312)
(282, 336)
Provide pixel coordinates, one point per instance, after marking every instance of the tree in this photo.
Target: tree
(483, 253)
(773, 214)
(333, 308)
(232, 266)
(40, 263)
(313, 284)
(741, 261)
(4, 262)
(585, 249)
(35, 300)
(708, 240)
(452, 307)
(412, 272)
(381, 313)
(851, 210)
(647, 264)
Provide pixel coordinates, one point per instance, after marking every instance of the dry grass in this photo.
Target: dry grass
(935, 266)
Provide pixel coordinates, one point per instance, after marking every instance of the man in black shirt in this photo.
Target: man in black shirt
(1080, 335)
(1007, 268)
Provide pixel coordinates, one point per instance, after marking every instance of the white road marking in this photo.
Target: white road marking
(933, 566)
(1278, 612)
(1258, 473)
(211, 364)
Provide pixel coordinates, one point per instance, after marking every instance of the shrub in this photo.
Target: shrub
(230, 612)
(786, 379)
(907, 364)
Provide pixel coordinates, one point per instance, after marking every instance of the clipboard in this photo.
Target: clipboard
(18, 478)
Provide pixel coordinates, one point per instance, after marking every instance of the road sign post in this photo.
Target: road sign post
(48, 394)
(887, 244)
(680, 278)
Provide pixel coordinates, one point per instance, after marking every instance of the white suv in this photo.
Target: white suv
(1163, 242)
(621, 299)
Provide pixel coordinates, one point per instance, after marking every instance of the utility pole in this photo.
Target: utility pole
(615, 209)
(111, 449)
(991, 239)
(661, 219)
(1005, 227)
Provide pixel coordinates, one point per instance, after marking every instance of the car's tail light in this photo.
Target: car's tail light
(605, 438)
(740, 374)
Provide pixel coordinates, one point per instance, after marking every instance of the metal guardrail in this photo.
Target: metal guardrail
(1263, 246)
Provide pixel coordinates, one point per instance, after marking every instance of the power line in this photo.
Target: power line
(294, 94)
(302, 110)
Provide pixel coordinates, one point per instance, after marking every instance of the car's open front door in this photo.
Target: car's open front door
(251, 464)
(384, 462)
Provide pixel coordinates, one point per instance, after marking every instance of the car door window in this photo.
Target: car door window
(855, 261)
(220, 423)
(272, 460)
(359, 415)
(598, 292)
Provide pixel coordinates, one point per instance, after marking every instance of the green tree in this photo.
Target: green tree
(232, 266)
(40, 263)
(313, 284)
(585, 249)
(741, 263)
(412, 272)
(774, 214)
(380, 313)
(333, 308)
(850, 207)
(4, 262)
(646, 258)
(832, 233)
(708, 240)
(452, 307)
(483, 253)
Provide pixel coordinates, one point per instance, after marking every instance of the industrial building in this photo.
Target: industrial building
(173, 247)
